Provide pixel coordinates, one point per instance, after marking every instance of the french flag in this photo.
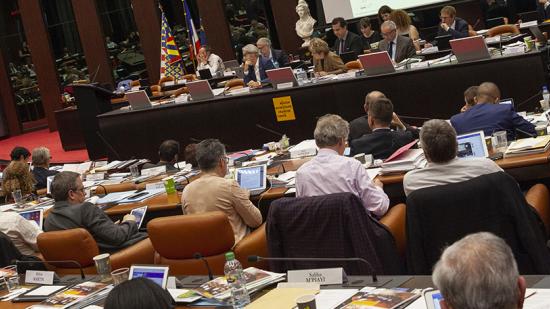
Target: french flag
(194, 38)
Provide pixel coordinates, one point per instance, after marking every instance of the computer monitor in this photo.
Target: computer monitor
(470, 48)
(36, 215)
(472, 145)
(281, 76)
(205, 74)
(538, 34)
(252, 178)
(348, 56)
(138, 100)
(200, 90)
(139, 213)
(377, 63)
(157, 274)
(443, 41)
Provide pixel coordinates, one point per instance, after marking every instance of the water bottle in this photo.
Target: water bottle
(545, 97)
(233, 271)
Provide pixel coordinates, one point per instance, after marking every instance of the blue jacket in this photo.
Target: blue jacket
(249, 74)
(491, 118)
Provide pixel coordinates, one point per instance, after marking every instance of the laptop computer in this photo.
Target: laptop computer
(507, 101)
(538, 35)
(472, 145)
(156, 273)
(348, 56)
(200, 90)
(205, 74)
(138, 100)
(139, 213)
(252, 178)
(470, 49)
(377, 63)
(281, 76)
(36, 215)
(443, 41)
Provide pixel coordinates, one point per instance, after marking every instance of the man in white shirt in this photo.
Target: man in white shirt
(438, 140)
(22, 233)
(208, 60)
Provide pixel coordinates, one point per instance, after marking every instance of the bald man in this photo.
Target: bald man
(489, 116)
(360, 126)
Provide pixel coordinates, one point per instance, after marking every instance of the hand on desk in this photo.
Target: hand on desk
(129, 217)
(254, 84)
(321, 74)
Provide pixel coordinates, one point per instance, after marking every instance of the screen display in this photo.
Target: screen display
(139, 213)
(155, 275)
(251, 178)
(350, 9)
(436, 299)
(471, 146)
(32, 216)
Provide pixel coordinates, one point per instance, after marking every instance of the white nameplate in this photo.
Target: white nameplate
(528, 24)
(96, 176)
(285, 85)
(154, 186)
(153, 171)
(39, 277)
(168, 83)
(514, 50)
(418, 65)
(321, 276)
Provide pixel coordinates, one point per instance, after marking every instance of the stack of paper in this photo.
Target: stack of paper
(73, 296)
(409, 160)
(526, 146)
(305, 148)
(379, 298)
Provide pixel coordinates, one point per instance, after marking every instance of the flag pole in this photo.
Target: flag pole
(190, 46)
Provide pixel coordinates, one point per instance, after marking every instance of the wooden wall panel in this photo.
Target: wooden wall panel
(146, 14)
(216, 27)
(42, 58)
(8, 101)
(284, 14)
(92, 39)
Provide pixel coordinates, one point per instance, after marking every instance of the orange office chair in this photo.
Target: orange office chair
(135, 83)
(156, 90)
(236, 83)
(502, 29)
(181, 91)
(79, 245)
(538, 197)
(354, 65)
(166, 79)
(190, 77)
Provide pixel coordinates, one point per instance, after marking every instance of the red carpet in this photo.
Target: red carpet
(42, 138)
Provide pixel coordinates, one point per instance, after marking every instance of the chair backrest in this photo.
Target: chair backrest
(166, 79)
(181, 91)
(513, 29)
(354, 65)
(190, 77)
(440, 215)
(176, 239)
(329, 226)
(135, 83)
(235, 83)
(74, 244)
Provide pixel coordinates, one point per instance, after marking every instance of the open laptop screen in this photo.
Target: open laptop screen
(157, 274)
(36, 215)
(251, 178)
(472, 145)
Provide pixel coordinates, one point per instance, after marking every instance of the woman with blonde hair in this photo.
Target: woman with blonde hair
(325, 62)
(17, 176)
(405, 27)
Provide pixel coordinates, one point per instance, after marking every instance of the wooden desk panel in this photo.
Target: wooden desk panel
(158, 203)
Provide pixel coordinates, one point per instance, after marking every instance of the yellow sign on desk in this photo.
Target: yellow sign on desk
(283, 108)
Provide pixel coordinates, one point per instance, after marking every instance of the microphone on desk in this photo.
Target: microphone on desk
(255, 258)
(528, 100)
(525, 133)
(199, 256)
(269, 130)
(17, 262)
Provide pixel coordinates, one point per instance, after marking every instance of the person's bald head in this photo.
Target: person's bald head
(372, 97)
(487, 92)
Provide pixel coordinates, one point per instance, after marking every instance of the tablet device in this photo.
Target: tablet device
(252, 178)
(509, 101)
(433, 299)
(470, 49)
(156, 273)
(377, 63)
(281, 76)
(472, 145)
(36, 215)
(138, 100)
(205, 74)
(39, 293)
(200, 90)
(139, 213)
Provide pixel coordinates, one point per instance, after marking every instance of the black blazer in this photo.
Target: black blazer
(381, 143)
(359, 127)
(280, 56)
(440, 215)
(460, 30)
(352, 43)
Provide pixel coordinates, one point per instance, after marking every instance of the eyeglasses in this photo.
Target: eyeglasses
(445, 17)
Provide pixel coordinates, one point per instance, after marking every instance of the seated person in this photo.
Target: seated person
(346, 41)
(17, 176)
(254, 72)
(41, 164)
(479, 271)
(168, 155)
(469, 98)
(208, 60)
(213, 192)
(368, 36)
(190, 155)
(22, 232)
(70, 211)
(405, 27)
(543, 7)
(20, 154)
(493, 9)
(452, 25)
(269, 57)
(330, 172)
(440, 148)
(490, 117)
(325, 62)
(398, 47)
(139, 293)
(360, 126)
(382, 142)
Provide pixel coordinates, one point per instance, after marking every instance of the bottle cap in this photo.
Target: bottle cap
(230, 256)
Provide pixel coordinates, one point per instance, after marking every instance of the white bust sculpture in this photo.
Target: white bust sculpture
(304, 26)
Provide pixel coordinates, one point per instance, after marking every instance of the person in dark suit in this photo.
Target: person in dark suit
(254, 72)
(168, 155)
(271, 58)
(452, 25)
(382, 142)
(41, 163)
(398, 47)
(489, 116)
(346, 41)
(360, 126)
(543, 7)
